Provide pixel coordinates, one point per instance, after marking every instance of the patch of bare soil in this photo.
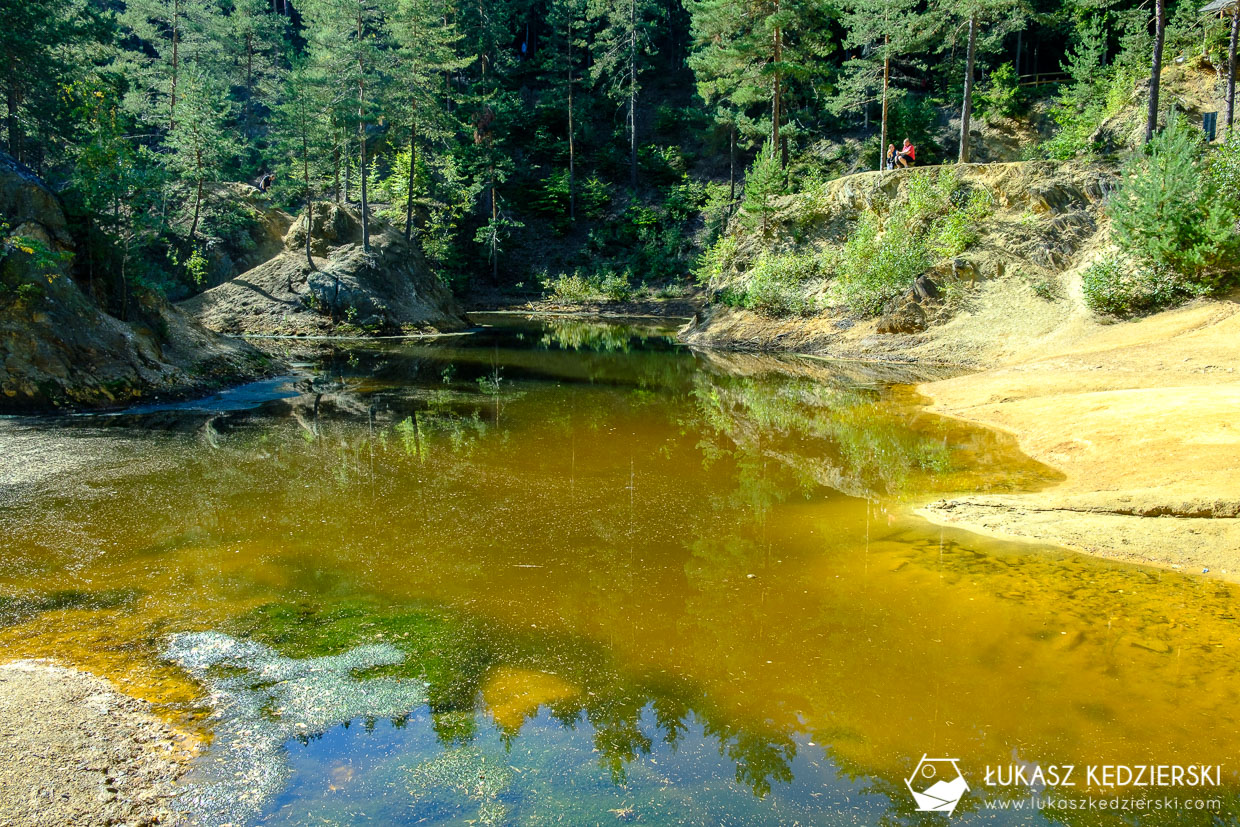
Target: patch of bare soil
(74, 750)
(1142, 418)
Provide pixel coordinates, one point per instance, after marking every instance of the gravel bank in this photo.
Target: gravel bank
(73, 750)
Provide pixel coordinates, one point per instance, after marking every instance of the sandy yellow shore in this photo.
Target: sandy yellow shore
(1142, 418)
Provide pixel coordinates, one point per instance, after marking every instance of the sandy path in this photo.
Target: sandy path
(1142, 418)
(73, 750)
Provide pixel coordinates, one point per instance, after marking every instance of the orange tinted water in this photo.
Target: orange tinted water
(738, 525)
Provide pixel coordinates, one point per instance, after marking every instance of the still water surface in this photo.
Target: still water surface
(603, 579)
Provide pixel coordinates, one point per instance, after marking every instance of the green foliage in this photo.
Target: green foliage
(763, 184)
(616, 287)
(776, 285)
(1175, 215)
(1082, 103)
(743, 53)
(999, 96)
(880, 260)
(935, 219)
(717, 260)
(1115, 286)
(577, 288)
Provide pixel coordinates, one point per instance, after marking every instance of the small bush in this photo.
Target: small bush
(579, 289)
(776, 285)
(880, 260)
(1115, 287)
(575, 288)
(1175, 217)
(717, 260)
(936, 218)
(616, 287)
(999, 96)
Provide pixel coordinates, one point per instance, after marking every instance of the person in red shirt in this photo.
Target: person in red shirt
(907, 154)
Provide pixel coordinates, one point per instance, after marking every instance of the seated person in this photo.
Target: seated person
(889, 160)
(907, 154)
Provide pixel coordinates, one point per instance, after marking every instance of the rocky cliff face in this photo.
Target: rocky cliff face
(59, 349)
(388, 290)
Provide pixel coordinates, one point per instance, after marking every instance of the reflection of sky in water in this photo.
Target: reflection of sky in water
(550, 774)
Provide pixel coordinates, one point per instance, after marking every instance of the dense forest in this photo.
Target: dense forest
(519, 141)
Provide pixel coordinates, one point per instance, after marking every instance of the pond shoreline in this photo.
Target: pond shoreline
(89, 754)
(1140, 418)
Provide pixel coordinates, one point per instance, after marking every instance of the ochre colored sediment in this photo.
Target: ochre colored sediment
(1142, 418)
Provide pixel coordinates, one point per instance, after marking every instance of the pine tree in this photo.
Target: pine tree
(302, 120)
(254, 40)
(1171, 216)
(884, 30)
(172, 35)
(1160, 32)
(621, 49)
(986, 24)
(200, 141)
(763, 184)
(349, 40)
(567, 19)
(36, 40)
(427, 48)
(752, 53)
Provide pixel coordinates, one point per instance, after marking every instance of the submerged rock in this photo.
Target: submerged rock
(386, 290)
(61, 349)
(262, 700)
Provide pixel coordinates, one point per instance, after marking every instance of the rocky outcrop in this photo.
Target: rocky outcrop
(911, 312)
(60, 349)
(257, 233)
(388, 290)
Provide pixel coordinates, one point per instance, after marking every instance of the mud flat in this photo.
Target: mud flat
(74, 750)
(1142, 418)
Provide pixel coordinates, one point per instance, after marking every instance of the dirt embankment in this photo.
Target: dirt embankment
(1143, 419)
(1012, 287)
(73, 750)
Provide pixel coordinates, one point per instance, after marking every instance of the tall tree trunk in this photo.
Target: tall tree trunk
(633, 94)
(1019, 48)
(305, 174)
(1230, 112)
(777, 91)
(731, 165)
(966, 112)
(572, 153)
(193, 227)
(176, 42)
(413, 155)
(494, 229)
(14, 127)
(361, 132)
(882, 144)
(1160, 31)
(247, 112)
(336, 170)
